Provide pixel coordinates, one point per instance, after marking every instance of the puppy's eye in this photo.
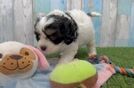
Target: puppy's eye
(52, 37)
(1, 55)
(50, 31)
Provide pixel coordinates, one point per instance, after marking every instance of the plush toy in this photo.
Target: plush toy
(82, 74)
(18, 60)
(118, 69)
(78, 73)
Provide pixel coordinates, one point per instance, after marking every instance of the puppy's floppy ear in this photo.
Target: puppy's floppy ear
(38, 17)
(70, 31)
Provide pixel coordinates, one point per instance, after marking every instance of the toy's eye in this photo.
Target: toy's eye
(1, 55)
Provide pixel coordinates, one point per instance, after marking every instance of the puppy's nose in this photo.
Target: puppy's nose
(43, 48)
(16, 57)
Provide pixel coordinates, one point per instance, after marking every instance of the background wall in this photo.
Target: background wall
(16, 21)
(114, 28)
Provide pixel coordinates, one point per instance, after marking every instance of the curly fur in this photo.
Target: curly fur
(65, 32)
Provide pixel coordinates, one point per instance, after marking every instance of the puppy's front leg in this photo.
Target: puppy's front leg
(68, 53)
(92, 49)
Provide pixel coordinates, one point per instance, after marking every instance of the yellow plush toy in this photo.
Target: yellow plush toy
(78, 73)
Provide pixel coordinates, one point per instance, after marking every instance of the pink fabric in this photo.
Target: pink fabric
(43, 63)
(104, 74)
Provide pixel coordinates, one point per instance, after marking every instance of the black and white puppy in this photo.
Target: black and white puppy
(65, 32)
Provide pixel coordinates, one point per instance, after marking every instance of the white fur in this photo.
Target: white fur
(86, 36)
(95, 14)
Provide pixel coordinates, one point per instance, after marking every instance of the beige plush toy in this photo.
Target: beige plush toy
(18, 60)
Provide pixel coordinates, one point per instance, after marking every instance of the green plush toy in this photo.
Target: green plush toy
(74, 74)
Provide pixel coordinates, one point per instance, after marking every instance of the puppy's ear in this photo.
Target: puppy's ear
(38, 17)
(70, 31)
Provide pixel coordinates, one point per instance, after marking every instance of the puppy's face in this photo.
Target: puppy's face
(47, 37)
(53, 31)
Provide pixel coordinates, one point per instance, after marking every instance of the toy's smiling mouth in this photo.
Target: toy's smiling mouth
(16, 68)
(9, 68)
(24, 67)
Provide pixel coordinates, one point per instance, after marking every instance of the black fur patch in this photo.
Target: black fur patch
(37, 35)
(36, 22)
(35, 30)
(1, 55)
(89, 14)
(65, 30)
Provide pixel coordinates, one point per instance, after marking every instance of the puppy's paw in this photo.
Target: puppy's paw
(65, 60)
(104, 59)
(92, 56)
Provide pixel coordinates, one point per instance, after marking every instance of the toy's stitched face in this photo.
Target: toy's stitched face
(17, 63)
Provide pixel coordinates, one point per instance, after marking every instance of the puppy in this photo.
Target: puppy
(65, 32)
